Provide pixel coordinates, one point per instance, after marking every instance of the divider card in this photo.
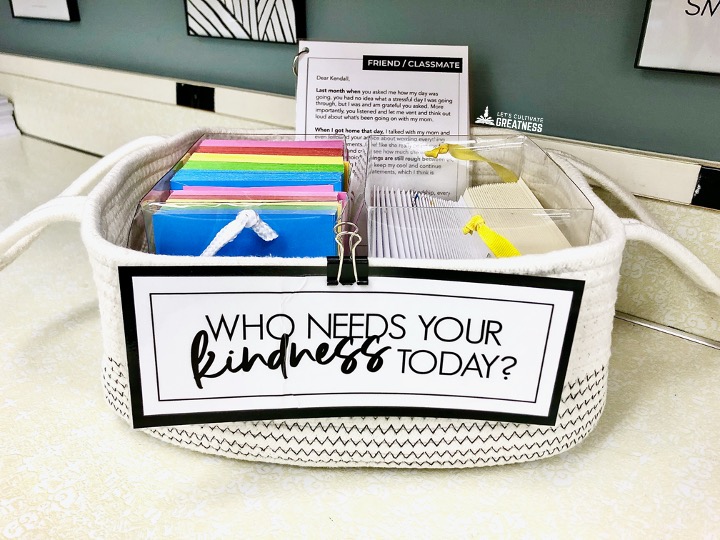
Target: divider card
(219, 344)
(361, 89)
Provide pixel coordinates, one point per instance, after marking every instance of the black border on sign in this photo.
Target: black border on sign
(140, 420)
(656, 68)
(73, 13)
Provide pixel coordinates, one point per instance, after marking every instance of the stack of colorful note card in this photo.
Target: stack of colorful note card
(296, 189)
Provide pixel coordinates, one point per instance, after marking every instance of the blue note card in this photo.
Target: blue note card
(301, 233)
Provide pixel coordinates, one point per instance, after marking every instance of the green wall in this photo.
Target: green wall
(568, 61)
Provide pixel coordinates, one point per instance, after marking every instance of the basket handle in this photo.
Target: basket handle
(683, 258)
(601, 179)
(67, 206)
(643, 228)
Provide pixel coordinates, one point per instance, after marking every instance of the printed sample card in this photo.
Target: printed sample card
(362, 89)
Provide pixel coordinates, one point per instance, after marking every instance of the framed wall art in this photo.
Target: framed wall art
(681, 35)
(281, 21)
(53, 10)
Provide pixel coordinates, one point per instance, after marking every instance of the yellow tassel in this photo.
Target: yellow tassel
(346, 178)
(463, 153)
(498, 244)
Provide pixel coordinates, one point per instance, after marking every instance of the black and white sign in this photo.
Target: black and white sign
(681, 35)
(216, 344)
(270, 20)
(56, 10)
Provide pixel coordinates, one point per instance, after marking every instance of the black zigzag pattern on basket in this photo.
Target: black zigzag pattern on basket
(457, 443)
(225, 446)
(116, 388)
(339, 455)
(447, 458)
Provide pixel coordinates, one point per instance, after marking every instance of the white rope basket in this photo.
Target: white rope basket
(106, 214)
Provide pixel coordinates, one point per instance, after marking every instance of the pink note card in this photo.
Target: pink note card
(224, 190)
(332, 143)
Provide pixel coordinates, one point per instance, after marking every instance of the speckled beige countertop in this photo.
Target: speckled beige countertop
(69, 468)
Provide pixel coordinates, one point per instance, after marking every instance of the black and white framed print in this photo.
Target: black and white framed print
(681, 35)
(53, 10)
(281, 21)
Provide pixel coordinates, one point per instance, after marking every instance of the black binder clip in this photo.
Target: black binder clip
(350, 270)
(356, 271)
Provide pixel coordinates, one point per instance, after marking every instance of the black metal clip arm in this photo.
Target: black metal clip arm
(351, 270)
